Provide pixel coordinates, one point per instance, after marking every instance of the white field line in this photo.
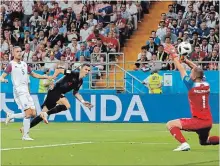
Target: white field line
(81, 143)
(45, 146)
(119, 130)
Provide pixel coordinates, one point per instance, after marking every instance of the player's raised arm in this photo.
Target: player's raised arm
(172, 51)
(189, 63)
(60, 71)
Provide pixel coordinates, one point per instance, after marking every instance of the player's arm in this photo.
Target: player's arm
(2, 77)
(61, 71)
(189, 63)
(7, 71)
(35, 75)
(172, 51)
(186, 79)
(80, 98)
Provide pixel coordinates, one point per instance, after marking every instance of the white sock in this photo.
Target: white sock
(17, 116)
(26, 124)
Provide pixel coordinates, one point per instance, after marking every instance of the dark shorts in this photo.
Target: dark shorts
(51, 100)
(200, 126)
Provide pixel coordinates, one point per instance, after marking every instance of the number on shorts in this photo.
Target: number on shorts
(203, 101)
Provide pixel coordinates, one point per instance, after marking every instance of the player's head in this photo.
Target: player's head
(17, 53)
(197, 74)
(85, 69)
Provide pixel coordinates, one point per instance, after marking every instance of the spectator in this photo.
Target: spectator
(144, 51)
(121, 25)
(57, 53)
(84, 13)
(72, 33)
(69, 56)
(186, 37)
(151, 47)
(169, 34)
(79, 22)
(51, 62)
(176, 7)
(171, 12)
(104, 12)
(82, 52)
(74, 46)
(175, 29)
(142, 63)
(161, 54)
(33, 44)
(188, 13)
(55, 36)
(62, 64)
(205, 46)
(62, 29)
(132, 9)
(100, 44)
(203, 30)
(41, 37)
(156, 39)
(192, 27)
(27, 53)
(211, 23)
(93, 37)
(77, 7)
(45, 13)
(85, 32)
(161, 31)
(91, 21)
(35, 65)
(35, 21)
(195, 39)
(28, 12)
(212, 37)
(198, 55)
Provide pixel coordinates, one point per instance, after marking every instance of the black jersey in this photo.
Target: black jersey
(69, 82)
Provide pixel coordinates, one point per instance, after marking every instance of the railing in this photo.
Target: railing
(114, 75)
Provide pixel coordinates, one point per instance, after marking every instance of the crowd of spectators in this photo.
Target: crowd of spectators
(196, 22)
(62, 34)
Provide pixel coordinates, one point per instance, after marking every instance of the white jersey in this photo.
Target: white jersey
(20, 80)
(19, 75)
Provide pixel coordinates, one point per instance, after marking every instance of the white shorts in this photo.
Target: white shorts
(24, 101)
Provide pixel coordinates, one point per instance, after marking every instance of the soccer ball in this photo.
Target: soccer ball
(184, 48)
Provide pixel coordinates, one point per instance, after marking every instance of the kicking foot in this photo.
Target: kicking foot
(44, 116)
(27, 138)
(8, 117)
(183, 147)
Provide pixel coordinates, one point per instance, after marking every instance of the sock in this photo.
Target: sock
(35, 121)
(175, 131)
(57, 109)
(26, 124)
(18, 116)
(213, 140)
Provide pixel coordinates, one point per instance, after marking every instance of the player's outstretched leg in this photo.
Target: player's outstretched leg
(43, 115)
(10, 116)
(174, 127)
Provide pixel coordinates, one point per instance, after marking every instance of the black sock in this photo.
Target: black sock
(57, 109)
(35, 121)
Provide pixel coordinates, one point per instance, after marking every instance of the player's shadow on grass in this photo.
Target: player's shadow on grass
(202, 162)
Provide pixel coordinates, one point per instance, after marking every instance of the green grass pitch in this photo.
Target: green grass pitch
(102, 144)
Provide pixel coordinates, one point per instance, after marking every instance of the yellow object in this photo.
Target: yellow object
(42, 87)
(155, 80)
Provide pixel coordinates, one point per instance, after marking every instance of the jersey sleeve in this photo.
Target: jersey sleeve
(188, 82)
(8, 69)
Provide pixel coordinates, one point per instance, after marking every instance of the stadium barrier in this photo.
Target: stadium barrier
(118, 108)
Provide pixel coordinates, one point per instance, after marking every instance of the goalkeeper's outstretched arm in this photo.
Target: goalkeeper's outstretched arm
(190, 63)
(172, 51)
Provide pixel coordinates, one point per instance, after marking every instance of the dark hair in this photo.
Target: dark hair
(86, 64)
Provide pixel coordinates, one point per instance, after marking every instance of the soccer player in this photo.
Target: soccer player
(198, 94)
(55, 101)
(19, 71)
